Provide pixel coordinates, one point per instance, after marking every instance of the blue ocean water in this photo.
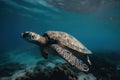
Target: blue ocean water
(97, 28)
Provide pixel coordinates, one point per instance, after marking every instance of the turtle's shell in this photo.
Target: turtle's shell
(68, 41)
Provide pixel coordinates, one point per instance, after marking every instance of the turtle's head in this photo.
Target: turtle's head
(33, 37)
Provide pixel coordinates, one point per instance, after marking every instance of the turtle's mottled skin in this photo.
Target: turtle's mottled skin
(60, 43)
(68, 41)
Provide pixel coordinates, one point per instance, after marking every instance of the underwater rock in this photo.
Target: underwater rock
(10, 68)
(103, 69)
(60, 72)
(84, 76)
(63, 72)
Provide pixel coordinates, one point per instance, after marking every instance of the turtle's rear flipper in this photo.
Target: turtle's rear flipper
(70, 58)
(88, 60)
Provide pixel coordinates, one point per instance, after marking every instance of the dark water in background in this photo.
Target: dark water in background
(97, 28)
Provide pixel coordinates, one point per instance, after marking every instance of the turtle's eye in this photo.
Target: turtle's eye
(32, 37)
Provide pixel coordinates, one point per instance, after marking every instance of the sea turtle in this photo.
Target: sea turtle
(60, 43)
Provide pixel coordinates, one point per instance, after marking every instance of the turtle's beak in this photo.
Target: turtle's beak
(24, 35)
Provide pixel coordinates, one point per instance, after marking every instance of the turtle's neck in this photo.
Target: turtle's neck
(41, 41)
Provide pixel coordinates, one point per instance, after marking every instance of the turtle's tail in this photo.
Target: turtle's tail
(88, 60)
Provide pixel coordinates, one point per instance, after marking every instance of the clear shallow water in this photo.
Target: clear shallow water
(97, 30)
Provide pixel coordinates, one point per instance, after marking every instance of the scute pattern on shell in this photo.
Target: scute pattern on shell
(68, 41)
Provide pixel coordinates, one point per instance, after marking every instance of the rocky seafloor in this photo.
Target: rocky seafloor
(101, 69)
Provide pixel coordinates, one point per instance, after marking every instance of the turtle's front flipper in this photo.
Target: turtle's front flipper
(70, 58)
(44, 53)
